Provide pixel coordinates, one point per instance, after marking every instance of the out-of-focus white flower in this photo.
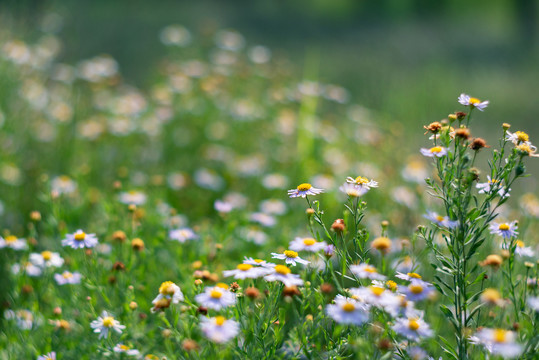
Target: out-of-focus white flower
(219, 329)
(216, 298)
(413, 329)
(290, 257)
(49, 356)
(63, 185)
(348, 311)
(246, 271)
(182, 235)
(307, 244)
(466, 100)
(169, 293)
(366, 271)
(133, 198)
(79, 240)
(67, 278)
(263, 219)
(283, 274)
(442, 221)
(498, 342)
(13, 242)
(175, 35)
(121, 348)
(105, 323)
(46, 259)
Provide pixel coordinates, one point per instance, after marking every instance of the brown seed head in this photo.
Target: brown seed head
(190, 345)
(338, 226)
(252, 293)
(119, 236)
(463, 133)
(433, 127)
(478, 144)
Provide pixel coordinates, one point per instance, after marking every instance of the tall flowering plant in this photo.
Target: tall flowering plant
(469, 210)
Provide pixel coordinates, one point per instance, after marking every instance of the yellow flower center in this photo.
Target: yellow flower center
(522, 136)
(493, 181)
(391, 285)
(108, 321)
(370, 269)
(525, 148)
(291, 254)
(361, 180)
(47, 255)
(65, 178)
(123, 347)
(244, 267)
(436, 149)
(474, 101)
(520, 243)
(283, 270)
(222, 285)
(258, 261)
(309, 241)
(500, 335)
(216, 294)
(304, 187)
(219, 320)
(10, 239)
(416, 289)
(440, 218)
(348, 307)
(503, 227)
(413, 324)
(414, 275)
(167, 288)
(80, 236)
(376, 290)
(67, 275)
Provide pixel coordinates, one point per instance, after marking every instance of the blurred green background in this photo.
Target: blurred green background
(406, 59)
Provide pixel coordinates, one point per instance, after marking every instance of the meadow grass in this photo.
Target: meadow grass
(155, 222)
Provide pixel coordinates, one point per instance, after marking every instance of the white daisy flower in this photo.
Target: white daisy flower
(303, 190)
(121, 348)
(169, 293)
(518, 137)
(413, 329)
(263, 219)
(466, 100)
(366, 271)
(408, 276)
(417, 353)
(223, 207)
(24, 319)
(521, 249)
(218, 329)
(182, 235)
(67, 278)
(348, 311)
(362, 182)
(498, 342)
(257, 262)
(376, 295)
(283, 274)
(307, 244)
(492, 185)
(105, 323)
(417, 290)
(46, 259)
(402, 307)
(132, 198)
(13, 242)
(405, 264)
(246, 271)
(27, 267)
(216, 298)
(353, 190)
(79, 240)
(436, 151)
(506, 230)
(290, 257)
(533, 302)
(273, 207)
(63, 185)
(442, 221)
(49, 356)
